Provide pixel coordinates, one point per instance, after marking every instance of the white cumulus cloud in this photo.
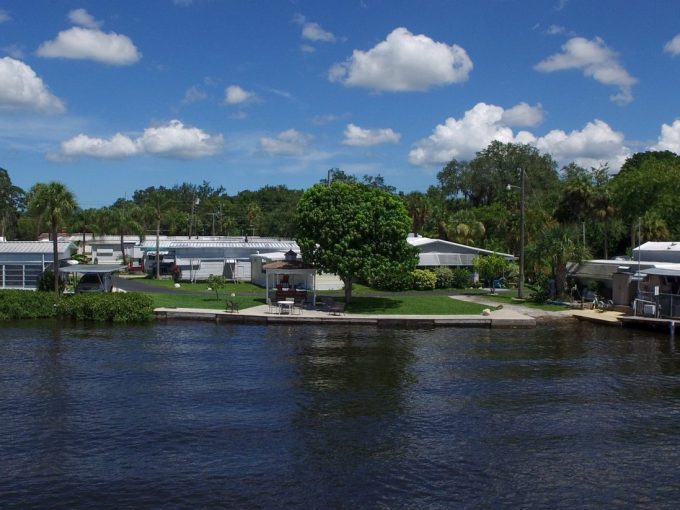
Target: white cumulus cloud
(171, 140)
(461, 139)
(91, 44)
(596, 144)
(83, 18)
(117, 147)
(22, 89)
(669, 139)
(4, 16)
(175, 140)
(360, 137)
(523, 114)
(673, 46)
(404, 62)
(287, 143)
(596, 61)
(234, 94)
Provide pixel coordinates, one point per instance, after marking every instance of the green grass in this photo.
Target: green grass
(504, 298)
(208, 301)
(413, 305)
(242, 287)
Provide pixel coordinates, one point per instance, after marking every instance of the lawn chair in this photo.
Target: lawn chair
(336, 309)
(232, 306)
(272, 308)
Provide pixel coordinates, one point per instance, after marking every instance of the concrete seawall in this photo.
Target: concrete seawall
(262, 315)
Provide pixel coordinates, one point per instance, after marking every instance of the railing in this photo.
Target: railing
(666, 306)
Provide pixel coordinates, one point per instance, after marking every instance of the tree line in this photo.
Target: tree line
(571, 212)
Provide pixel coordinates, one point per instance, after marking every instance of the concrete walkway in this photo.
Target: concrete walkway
(503, 318)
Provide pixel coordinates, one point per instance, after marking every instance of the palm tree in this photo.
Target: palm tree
(156, 205)
(84, 221)
(123, 220)
(52, 202)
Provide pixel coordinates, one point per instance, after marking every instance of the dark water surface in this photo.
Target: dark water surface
(198, 415)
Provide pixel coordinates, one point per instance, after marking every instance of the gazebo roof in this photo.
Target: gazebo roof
(292, 265)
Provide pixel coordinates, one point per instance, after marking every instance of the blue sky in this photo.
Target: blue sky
(110, 97)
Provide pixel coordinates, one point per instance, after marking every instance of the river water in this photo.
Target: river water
(199, 415)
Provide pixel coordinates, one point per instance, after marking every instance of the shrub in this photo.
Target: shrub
(461, 278)
(444, 277)
(391, 281)
(46, 282)
(25, 304)
(106, 307)
(423, 279)
(539, 289)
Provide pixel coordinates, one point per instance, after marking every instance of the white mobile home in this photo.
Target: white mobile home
(22, 262)
(437, 252)
(197, 259)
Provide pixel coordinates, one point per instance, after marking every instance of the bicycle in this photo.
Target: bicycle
(601, 304)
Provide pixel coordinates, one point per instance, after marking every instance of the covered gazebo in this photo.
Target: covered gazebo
(291, 278)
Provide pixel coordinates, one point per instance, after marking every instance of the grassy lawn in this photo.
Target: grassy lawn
(238, 288)
(505, 298)
(208, 301)
(413, 305)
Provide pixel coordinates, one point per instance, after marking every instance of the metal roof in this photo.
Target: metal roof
(272, 245)
(33, 247)
(92, 268)
(661, 271)
(422, 241)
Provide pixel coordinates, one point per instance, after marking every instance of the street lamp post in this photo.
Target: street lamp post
(522, 217)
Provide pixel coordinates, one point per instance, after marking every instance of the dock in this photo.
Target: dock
(261, 315)
(615, 318)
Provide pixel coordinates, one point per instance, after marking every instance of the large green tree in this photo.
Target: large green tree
(354, 231)
(11, 202)
(52, 203)
(648, 183)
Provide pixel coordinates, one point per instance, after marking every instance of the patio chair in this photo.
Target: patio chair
(271, 306)
(232, 306)
(337, 309)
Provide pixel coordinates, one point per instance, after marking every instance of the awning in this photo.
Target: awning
(661, 271)
(92, 268)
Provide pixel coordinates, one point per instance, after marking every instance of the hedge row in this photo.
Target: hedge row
(422, 279)
(102, 307)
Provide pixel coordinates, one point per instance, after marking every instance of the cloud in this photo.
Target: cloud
(555, 30)
(83, 18)
(461, 139)
(4, 16)
(287, 143)
(359, 137)
(193, 95)
(22, 89)
(89, 44)
(523, 115)
(596, 144)
(175, 140)
(306, 48)
(404, 62)
(171, 140)
(313, 31)
(234, 94)
(595, 60)
(15, 51)
(673, 46)
(669, 139)
(117, 147)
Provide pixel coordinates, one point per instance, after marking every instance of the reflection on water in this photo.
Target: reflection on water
(204, 415)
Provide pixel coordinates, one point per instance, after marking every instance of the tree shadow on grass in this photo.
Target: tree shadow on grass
(372, 304)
